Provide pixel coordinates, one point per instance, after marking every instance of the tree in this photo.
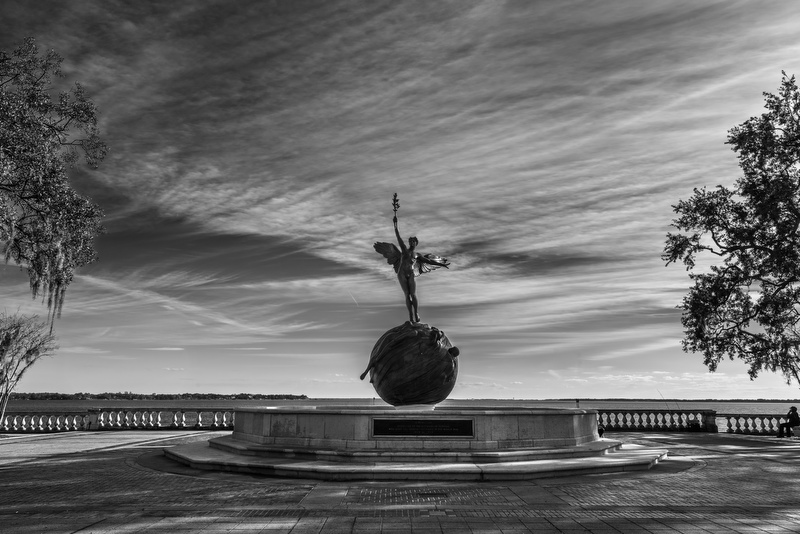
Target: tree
(23, 340)
(45, 225)
(747, 305)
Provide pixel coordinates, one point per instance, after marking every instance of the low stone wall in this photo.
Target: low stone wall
(120, 419)
(658, 420)
(474, 428)
(753, 424)
(223, 418)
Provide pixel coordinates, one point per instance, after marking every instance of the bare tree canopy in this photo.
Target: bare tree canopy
(45, 226)
(747, 305)
(23, 340)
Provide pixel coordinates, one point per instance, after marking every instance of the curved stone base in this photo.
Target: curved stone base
(476, 443)
(395, 428)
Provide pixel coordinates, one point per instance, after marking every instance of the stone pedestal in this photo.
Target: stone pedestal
(389, 429)
(387, 443)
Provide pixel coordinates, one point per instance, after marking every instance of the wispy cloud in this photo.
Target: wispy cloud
(538, 145)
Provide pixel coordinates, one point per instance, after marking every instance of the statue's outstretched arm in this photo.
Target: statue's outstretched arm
(397, 233)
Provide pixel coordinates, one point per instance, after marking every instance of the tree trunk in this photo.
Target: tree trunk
(4, 396)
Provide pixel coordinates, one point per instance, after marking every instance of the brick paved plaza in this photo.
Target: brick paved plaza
(120, 482)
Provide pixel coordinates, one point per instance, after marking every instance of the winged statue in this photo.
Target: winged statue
(408, 264)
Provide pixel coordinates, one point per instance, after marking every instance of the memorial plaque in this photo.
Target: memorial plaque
(423, 427)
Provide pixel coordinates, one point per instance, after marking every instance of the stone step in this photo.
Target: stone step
(479, 456)
(626, 457)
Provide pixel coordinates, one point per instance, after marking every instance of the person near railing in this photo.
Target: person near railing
(792, 419)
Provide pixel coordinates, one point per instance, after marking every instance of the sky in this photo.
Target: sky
(539, 146)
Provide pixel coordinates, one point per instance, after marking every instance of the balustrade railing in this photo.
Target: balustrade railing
(754, 424)
(223, 418)
(121, 419)
(658, 420)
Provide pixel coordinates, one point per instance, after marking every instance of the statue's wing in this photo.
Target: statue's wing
(390, 252)
(425, 263)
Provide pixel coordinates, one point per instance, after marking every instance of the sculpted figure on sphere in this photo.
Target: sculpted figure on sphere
(408, 264)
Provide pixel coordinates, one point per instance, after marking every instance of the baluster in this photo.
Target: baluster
(4, 425)
(737, 425)
(199, 423)
(215, 420)
(758, 424)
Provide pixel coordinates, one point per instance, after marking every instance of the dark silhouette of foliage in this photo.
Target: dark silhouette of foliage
(45, 226)
(747, 305)
(23, 340)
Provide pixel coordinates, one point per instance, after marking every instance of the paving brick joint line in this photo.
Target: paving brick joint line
(121, 483)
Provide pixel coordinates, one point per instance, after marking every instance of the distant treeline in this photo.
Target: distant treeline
(661, 399)
(127, 395)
